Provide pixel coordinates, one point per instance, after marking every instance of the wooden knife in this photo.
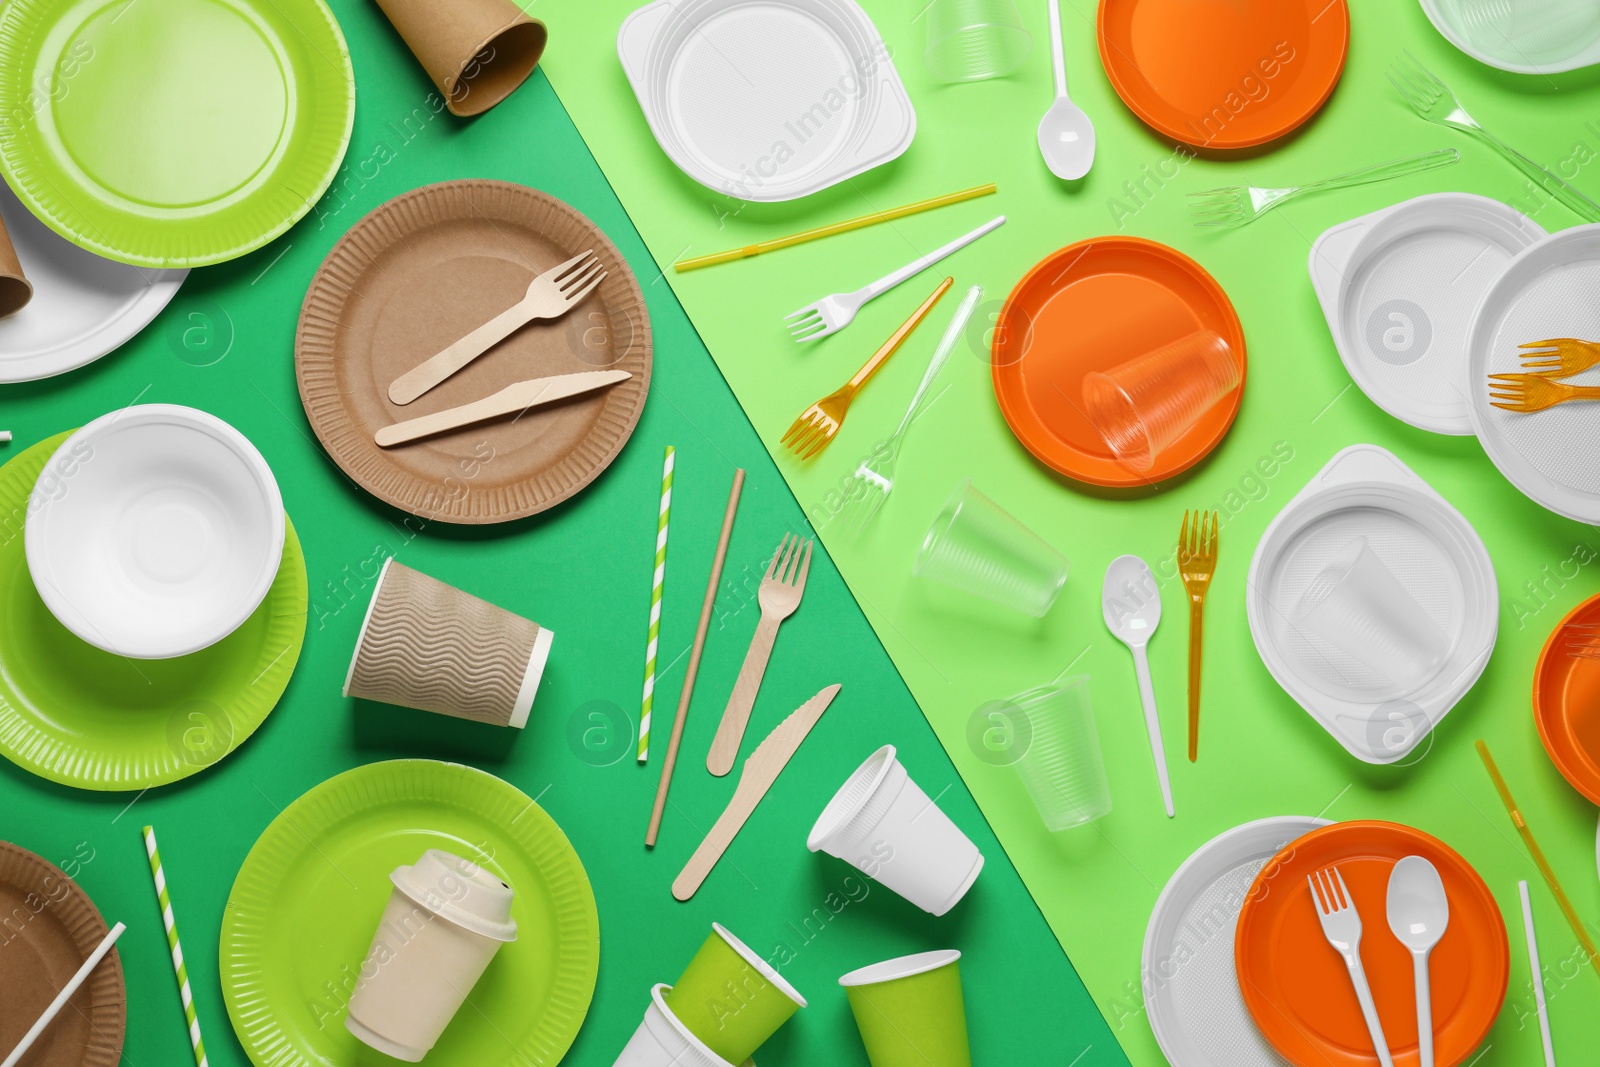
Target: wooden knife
(760, 770)
(511, 400)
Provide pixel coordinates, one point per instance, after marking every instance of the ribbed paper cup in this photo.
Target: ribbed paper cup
(476, 51)
(910, 1011)
(429, 645)
(731, 998)
(15, 289)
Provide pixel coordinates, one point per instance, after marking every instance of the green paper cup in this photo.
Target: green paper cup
(910, 1011)
(730, 998)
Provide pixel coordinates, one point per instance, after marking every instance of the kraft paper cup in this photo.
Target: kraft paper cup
(15, 289)
(910, 1011)
(428, 645)
(445, 920)
(731, 998)
(476, 51)
(1144, 405)
(882, 823)
(663, 1041)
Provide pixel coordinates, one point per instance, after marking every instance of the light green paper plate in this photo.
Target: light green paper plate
(172, 133)
(77, 715)
(311, 891)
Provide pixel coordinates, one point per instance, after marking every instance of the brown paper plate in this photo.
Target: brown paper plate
(51, 926)
(427, 268)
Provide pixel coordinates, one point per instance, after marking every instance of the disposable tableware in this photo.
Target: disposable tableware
(764, 1002)
(1559, 357)
(1066, 136)
(1419, 911)
(1341, 925)
(1524, 36)
(1144, 405)
(1131, 604)
(174, 947)
(658, 577)
(1537, 973)
(1197, 562)
(1058, 751)
(818, 424)
(911, 1011)
(833, 313)
(1239, 205)
(979, 548)
(970, 40)
(66, 993)
(1529, 393)
(475, 51)
(512, 400)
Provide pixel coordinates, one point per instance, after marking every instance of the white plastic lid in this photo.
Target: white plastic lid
(461, 891)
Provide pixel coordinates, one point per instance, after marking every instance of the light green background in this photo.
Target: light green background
(1260, 754)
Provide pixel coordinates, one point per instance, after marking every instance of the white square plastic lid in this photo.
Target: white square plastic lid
(1399, 288)
(766, 100)
(1366, 491)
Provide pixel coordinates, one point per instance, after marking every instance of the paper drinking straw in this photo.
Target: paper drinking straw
(177, 950)
(62, 997)
(1538, 975)
(655, 608)
(1538, 857)
(694, 659)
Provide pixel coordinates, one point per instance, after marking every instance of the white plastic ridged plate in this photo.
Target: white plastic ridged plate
(1523, 36)
(83, 306)
(766, 99)
(1367, 492)
(1191, 989)
(1398, 288)
(1548, 291)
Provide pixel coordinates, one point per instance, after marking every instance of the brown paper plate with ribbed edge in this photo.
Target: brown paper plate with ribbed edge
(424, 270)
(51, 927)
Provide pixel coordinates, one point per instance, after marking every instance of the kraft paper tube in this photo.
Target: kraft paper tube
(476, 51)
(15, 289)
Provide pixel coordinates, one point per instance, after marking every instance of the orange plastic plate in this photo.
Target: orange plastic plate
(1089, 307)
(1296, 985)
(1224, 73)
(1566, 698)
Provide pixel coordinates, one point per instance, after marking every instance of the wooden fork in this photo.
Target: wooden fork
(1560, 357)
(819, 423)
(1528, 393)
(1197, 562)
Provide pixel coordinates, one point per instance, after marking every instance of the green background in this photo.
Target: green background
(1261, 754)
(583, 569)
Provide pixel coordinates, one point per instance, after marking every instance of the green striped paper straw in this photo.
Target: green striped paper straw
(172, 943)
(655, 608)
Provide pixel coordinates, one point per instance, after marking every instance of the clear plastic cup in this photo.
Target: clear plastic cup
(977, 547)
(1060, 762)
(1357, 605)
(1142, 406)
(970, 40)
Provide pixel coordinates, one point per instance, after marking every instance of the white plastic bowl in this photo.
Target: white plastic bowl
(155, 531)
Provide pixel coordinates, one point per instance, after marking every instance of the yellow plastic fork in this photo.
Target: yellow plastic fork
(1197, 562)
(1527, 393)
(1560, 357)
(819, 423)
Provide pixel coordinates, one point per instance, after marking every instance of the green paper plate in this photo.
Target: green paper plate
(82, 717)
(311, 891)
(172, 133)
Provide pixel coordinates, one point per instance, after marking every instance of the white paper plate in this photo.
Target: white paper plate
(1549, 290)
(83, 306)
(1398, 288)
(1191, 990)
(1523, 36)
(1365, 491)
(766, 99)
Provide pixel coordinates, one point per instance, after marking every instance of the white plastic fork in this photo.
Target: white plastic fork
(1341, 925)
(833, 313)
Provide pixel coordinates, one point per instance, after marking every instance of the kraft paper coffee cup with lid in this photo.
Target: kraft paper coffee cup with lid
(476, 51)
(428, 645)
(445, 920)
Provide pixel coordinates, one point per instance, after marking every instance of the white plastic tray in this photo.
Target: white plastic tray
(1550, 290)
(1523, 36)
(83, 306)
(766, 99)
(1191, 990)
(1398, 288)
(1434, 551)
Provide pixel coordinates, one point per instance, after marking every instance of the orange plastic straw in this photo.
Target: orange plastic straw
(1538, 857)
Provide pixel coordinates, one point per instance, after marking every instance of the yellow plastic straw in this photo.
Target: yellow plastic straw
(837, 227)
(1538, 857)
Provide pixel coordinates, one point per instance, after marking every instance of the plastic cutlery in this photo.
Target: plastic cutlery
(1236, 205)
(1341, 925)
(833, 313)
(1066, 136)
(1132, 607)
(1419, 912)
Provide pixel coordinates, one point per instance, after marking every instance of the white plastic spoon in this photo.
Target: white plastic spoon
(1419, 911)
(1132, 607)
(1066, 136)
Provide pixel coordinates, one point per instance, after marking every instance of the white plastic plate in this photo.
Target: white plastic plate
(766, 99)
(1365, 491)
(1398, 288)
(83, 306)
(1523, 36)
(1548, 291)
(1191, 990)
(154, 531)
